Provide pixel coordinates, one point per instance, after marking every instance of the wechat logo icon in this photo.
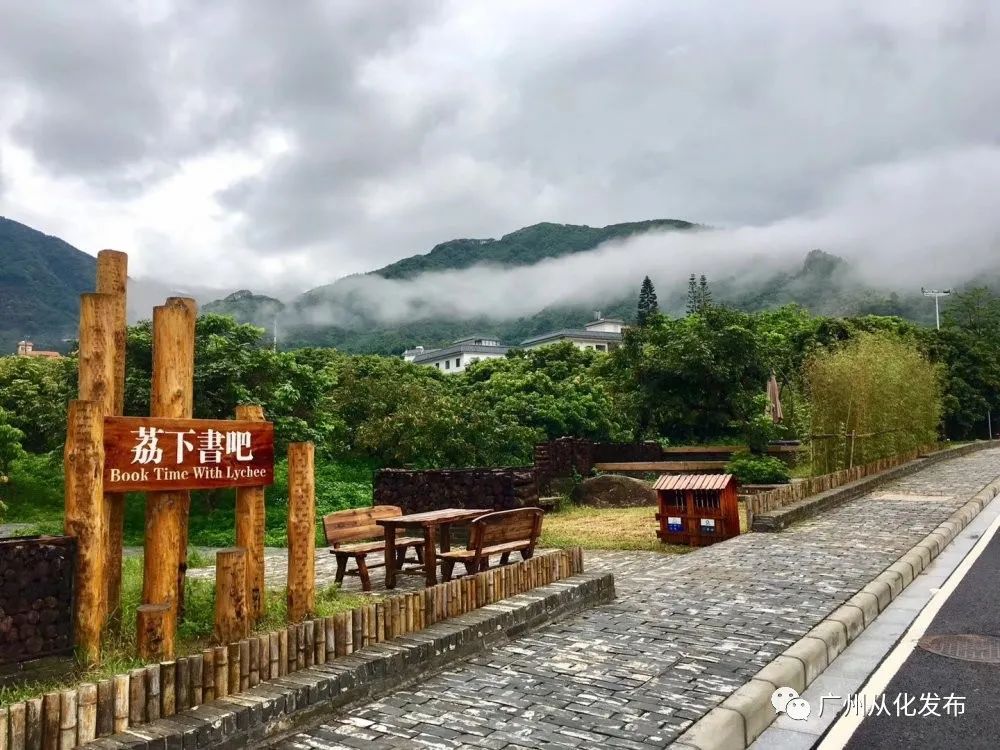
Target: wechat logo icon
(786, 700)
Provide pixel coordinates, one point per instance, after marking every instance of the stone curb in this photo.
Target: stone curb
(736, 722)
(272, 709)
(781, 518)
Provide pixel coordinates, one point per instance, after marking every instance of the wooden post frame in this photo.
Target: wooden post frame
(250, 522)
(84, 461)
(172, 395)
(112, 280)
(97, 385)
(301, 531)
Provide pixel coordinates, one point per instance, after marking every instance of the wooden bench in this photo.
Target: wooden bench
(497, 533)
(358, 525)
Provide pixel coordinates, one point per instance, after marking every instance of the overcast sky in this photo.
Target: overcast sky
(238, 144)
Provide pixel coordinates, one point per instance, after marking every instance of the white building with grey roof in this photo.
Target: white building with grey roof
(603, 335)
(458, 356)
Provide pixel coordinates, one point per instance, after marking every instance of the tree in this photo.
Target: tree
(10, 445)
(234, 366)
(648, 305)
(692, 296)
(35, 394)
(704, 293)
(700, 378)
(874, 397)
(699, 296)
(967, 347)
(553, 390)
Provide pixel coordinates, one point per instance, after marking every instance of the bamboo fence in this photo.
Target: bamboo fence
(67, 718)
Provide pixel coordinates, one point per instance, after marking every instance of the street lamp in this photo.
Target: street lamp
(936, 294)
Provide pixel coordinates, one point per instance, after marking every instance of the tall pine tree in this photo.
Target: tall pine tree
(699, 297)
(692, 304)
(648, 305)
(704, 294)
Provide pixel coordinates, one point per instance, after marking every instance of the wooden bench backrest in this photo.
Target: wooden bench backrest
(357, 524)
(504, 526)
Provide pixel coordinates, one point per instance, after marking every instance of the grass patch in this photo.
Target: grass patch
(605, 528)
(194, 633)
(34, 496)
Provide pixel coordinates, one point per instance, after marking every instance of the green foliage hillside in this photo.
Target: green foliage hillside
(246, 307)
(824, 284)
(41, 278)
(523, 247)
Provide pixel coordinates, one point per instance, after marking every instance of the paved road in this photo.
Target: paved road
(974, 607)
(684, 633)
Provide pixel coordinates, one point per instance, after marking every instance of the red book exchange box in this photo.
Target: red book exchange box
(697, 509)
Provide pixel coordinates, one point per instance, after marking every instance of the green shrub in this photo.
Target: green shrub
(873, 397)
(750, 469)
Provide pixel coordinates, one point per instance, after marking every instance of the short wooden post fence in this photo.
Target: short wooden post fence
(64, 720)
(231, 614)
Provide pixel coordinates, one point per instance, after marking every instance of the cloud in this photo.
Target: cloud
(901, 225)
(345, 135)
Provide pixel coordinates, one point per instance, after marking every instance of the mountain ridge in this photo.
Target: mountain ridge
(41, 278)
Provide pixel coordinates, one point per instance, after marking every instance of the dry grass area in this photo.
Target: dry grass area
(605, 528)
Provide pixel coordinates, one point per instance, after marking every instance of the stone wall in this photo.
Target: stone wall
(619, 453)
(561, 458)
(36, 597)
(434, 489)
(566, 456)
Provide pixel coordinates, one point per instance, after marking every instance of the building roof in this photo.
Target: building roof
(599, 321)
(27, 349)
(458, 348)
(574, 333)
(417, 350)
(693, 482)
(467, 339)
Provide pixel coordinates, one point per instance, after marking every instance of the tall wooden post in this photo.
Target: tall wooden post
(301, 531)
(172, 396)
(192, 310)
(83, 518)
(250, 518)
(112, 279)
(84, 466)
(231, 622)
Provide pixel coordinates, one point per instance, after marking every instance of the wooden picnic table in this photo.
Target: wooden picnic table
(436, 527)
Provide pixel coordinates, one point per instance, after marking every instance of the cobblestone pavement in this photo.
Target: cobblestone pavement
(684, 632)
(276, 570)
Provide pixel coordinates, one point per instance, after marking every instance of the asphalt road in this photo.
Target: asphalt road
(974, 607)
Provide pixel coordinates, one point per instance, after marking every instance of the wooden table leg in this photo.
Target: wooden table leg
(445, 537)
(430, 555)
(390, 557)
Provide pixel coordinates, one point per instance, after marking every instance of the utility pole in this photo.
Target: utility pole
(936, 294)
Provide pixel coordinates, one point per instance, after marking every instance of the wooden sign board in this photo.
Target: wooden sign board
(143, 454)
